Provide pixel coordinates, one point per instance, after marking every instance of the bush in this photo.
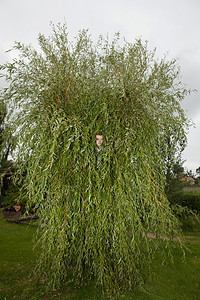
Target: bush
(185, 205)
(190, 224)
(189, 220)
(13, 196)
(190, 200)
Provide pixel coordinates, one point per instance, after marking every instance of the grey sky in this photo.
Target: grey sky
(172, 26)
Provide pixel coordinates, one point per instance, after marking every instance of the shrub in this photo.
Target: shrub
(11, 196)
(191, 200)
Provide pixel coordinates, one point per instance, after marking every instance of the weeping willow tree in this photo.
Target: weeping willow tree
(97, 207)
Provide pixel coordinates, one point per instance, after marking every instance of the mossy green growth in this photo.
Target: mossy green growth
(96, 207)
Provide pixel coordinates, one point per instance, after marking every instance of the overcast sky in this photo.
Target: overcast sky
(172, 26)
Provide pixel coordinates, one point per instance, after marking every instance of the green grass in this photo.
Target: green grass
(180, 280)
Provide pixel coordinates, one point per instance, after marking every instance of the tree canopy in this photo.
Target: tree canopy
(5, 139)
(97, 208)
(2, 118)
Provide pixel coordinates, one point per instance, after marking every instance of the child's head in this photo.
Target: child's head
(99, 140)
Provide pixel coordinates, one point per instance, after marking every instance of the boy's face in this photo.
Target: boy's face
(99, 140)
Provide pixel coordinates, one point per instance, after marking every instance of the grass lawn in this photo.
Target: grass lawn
(180, 280)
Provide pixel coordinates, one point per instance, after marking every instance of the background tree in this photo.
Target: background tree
(198, 171)
(7, 142)
(198, 175)
(6, 165)
(175, 143)
(97, 208)
(4, 153)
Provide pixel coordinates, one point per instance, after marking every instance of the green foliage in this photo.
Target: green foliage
(6, 140)
(174, 184)
(96, 207)
(185, 205)
(11, 196)
(2, 118)
(173, 189)
(190, 200)
(2, 113)
(14, 195)
(198, 171)
(189, 218)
